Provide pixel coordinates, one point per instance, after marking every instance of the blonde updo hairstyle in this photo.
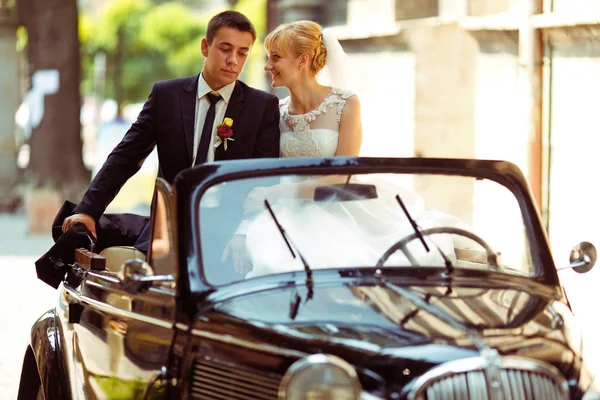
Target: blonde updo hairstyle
(298, 38)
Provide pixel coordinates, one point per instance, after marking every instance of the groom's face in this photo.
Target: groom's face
(225, 57)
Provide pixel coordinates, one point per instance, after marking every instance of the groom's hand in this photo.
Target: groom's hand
(237, 248)
(85, 219)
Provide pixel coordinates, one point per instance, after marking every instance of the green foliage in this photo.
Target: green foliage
(159, 40)
(256, 11)
(120, 389)
(87, 50)
(22, 38)
(171, 25)
(173, 30)
(121, 14)
(188, 59)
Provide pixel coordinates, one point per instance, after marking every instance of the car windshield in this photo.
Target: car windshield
(260, 226)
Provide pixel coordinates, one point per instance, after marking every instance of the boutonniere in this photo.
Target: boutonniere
(224, 133)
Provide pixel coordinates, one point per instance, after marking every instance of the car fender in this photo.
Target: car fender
(48, 352)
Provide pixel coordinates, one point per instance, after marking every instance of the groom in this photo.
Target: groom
(180, 118)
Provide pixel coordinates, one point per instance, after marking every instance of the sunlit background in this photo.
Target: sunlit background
(496, 79)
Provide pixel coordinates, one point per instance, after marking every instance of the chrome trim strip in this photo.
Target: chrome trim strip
(242, 343)
(113, 278)
(319, 359)
(116, 311)
(141, 296)
(474, 364)
(103, 277)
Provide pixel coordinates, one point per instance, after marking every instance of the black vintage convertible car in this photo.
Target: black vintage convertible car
(331, 278)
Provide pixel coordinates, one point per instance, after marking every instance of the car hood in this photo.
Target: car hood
(373, 324)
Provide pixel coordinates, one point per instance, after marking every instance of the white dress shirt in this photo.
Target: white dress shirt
(202, 104)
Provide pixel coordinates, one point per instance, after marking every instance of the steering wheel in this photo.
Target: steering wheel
(492, 258)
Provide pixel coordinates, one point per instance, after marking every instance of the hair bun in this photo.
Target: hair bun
(320, 57)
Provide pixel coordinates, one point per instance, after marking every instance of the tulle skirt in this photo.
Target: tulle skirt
(346, 233)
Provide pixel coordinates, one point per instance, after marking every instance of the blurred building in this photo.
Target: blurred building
(493, 79)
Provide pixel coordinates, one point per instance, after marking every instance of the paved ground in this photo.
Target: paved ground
(24, 298)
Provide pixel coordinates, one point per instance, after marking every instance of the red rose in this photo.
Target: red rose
(224, 131)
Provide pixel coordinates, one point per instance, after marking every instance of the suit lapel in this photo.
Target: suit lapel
(234, 109)
(188, 113)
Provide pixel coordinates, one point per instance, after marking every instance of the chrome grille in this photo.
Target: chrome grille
(520, 379)
(219, 381)
(521, 385)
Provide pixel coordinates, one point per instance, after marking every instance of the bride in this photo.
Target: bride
(317, 119)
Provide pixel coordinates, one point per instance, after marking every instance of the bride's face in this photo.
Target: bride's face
(284, 69)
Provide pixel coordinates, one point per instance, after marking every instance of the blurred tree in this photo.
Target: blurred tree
(115, 32)
(56, 160)
(176, 33)
(143, 43)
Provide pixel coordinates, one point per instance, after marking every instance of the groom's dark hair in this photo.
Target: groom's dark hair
(230, 19)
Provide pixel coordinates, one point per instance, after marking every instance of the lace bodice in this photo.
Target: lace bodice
(315, 133)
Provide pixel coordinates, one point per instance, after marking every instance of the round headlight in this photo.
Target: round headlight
(320, 377)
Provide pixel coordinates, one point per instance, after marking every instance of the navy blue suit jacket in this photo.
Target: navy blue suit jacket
(167, 122)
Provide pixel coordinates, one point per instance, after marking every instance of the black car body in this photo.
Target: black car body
(334, 322)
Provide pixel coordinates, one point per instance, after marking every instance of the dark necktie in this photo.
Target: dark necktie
(206, 136)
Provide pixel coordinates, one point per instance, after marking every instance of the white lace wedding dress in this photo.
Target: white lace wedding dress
(334, 234)
(314, 134)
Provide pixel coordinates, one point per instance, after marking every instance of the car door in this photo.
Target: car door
(122, 318)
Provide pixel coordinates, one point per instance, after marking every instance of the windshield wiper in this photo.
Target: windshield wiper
(415, 227)
(290, 244)
(412, 222)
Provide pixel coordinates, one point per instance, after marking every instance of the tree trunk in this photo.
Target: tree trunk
(56, 161)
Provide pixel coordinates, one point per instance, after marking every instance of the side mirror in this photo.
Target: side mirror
(137, 276)
(583, 257)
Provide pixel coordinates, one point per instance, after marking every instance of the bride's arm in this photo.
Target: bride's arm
(350, 138)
